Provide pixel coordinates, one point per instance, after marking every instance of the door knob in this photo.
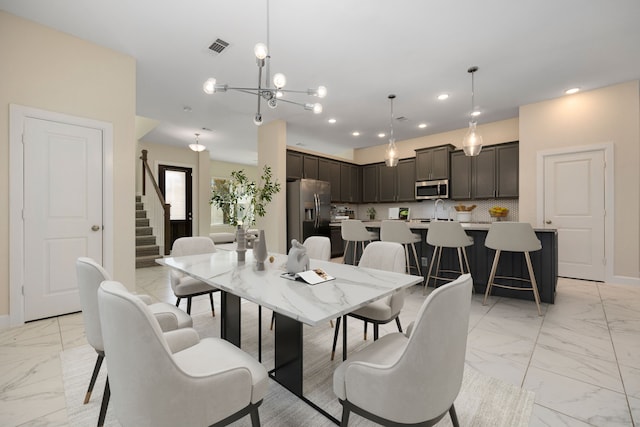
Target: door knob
(95, 228)
(547, 222)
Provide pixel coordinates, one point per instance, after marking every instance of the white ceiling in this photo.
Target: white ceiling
(361, 50)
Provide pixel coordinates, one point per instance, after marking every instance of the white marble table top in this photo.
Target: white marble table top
(354, 287)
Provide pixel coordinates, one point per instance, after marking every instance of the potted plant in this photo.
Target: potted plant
(241, 200)
(371, 212)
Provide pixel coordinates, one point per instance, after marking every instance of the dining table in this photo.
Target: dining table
(294, 303)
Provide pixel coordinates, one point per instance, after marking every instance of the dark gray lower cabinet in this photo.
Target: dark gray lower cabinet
(337, 245)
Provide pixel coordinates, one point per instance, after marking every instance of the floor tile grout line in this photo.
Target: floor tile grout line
(533, 350)
(615, 354)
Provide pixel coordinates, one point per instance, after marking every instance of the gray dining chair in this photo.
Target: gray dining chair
(412, 379)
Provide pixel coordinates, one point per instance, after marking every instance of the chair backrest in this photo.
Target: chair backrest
(90, 274)
(395, 231)
(387, 256)
(318, 247)
(433, 360)
(353, 230)
(195, 245)
(448, 234)
(140, 363)
(512, 236)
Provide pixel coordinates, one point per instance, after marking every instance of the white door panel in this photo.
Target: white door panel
(62, 203)
(574, 204)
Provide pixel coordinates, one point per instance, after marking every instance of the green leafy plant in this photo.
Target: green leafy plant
(242, 200)
(371, 212)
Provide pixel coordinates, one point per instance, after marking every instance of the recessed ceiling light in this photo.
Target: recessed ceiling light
(332, 121)
(572, 90)
(381, 135)
(356, 133)
(443, 96)
(187, 109)
(476, 113)
(422, 125)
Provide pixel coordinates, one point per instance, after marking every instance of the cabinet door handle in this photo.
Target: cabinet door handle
(547, 222)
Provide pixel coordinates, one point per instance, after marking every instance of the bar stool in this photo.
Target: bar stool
(399, 232)
(447, 234)
(513, 237)
(354, 231)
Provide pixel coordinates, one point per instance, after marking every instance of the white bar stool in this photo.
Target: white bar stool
(399, 232)
(354, 231)
(513, 237)
(447, 234)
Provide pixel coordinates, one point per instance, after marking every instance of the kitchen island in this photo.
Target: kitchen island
(544, 261)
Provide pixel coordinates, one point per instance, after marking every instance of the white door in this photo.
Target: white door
(574, 204)
(62, 212)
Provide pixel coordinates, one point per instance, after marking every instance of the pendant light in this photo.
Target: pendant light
(391, 155)
(196, 146)
(472, 142)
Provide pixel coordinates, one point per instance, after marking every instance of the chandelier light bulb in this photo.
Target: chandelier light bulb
(321, 92)
(257, 119)
(260, 50)
(272, 103)
(279, 80)
(317, 108)
(209, 86)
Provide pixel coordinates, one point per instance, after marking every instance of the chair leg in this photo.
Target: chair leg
(365, 330)
(331, 323)
(466, 261)
(492, 276)
(273, 319)
(433, 258)
(376, 332)
(335, 338)
(459, 250)
(534, 284)
(106, 395)
(415, 255)
(344, 254)
(189, 305)
(213, 309)
(406, 258)
(344, 338)
(435, 281)
(178, 302)
(454, 416)
(398, 324)
(260, 333)
(344, 422)
(255, 417)
(96, 369)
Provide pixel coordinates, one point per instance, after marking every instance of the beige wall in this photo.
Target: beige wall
(610, 114)
(49, 70)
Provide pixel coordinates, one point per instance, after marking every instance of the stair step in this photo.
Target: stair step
(141, 214)
(138, 199)
(139, 206)
(145, 240)
(144, 231)
(142, 222)
(147, 261)
(144, 250)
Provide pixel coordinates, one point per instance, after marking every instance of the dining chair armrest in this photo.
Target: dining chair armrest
(145, 298)
(181, 339)
(409, 330)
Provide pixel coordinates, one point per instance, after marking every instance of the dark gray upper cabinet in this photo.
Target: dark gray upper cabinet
(491, 174)
(349, 183)
(294, 166)
(387, 183)
(310, 167)
(329, 170)
(433, 163)
(507, 170)
(406, 171)
(370, 183)
(460, 182)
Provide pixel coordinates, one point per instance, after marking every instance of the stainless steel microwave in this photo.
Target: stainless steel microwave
(426, 190)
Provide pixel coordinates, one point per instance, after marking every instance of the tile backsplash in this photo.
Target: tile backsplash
(425, 209)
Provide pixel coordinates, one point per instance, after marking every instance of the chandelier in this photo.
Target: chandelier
(196, 146)
(272, 95)
(391, 155)
(472, 142)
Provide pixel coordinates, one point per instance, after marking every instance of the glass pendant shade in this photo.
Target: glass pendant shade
(391, 155)
(472, 142)
(196, 146)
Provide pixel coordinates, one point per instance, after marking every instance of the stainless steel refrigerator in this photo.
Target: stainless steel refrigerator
(308, 209)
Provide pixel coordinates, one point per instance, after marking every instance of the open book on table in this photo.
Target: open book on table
(312, 277)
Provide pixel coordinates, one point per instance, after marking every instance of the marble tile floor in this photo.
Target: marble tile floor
(581, 358)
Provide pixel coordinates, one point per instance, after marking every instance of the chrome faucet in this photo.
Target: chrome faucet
(435, 208)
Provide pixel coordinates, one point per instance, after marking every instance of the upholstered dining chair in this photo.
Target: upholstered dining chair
(187, 287)
(388, 256)
(90, 274)
(318, 247)
(175, 378)
(411, 379)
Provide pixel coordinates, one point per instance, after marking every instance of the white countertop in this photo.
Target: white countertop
(354, 287)
(425, 225)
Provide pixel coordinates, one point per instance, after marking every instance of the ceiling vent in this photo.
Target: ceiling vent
(402, 119)
(218, 46)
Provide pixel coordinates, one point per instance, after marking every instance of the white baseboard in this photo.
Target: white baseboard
(5, 321)
(625, 280)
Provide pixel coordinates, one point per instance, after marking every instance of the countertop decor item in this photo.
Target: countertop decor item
(260, 251)
(241, 243)
(297, 260)
(371, 212)
(498, 212)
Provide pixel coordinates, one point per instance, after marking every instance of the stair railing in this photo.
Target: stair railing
(166, 207)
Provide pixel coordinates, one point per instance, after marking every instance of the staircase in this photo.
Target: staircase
(146, 249)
